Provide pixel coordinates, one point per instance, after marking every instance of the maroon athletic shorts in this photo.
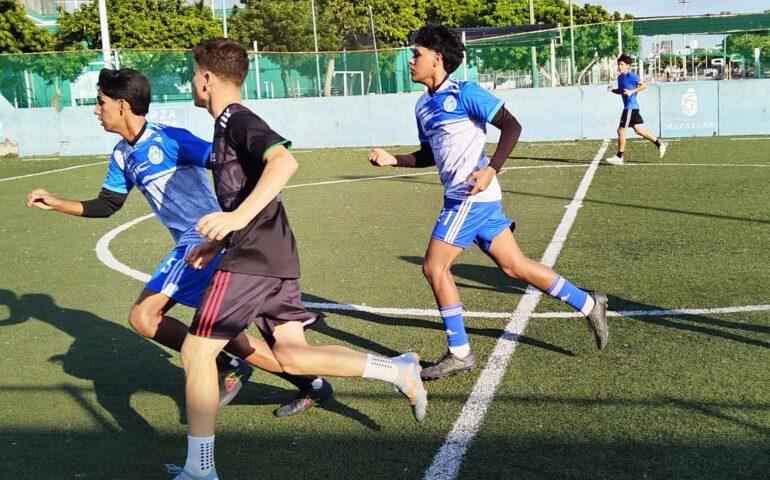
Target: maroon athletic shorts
(232, 301)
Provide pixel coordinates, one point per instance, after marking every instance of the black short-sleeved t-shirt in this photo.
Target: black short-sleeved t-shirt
(266, 246)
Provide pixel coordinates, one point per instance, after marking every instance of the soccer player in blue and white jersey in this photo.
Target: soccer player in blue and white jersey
(629, 85)
(451, 121)
(167, 165)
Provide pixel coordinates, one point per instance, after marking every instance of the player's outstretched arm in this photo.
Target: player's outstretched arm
(380, 158)
(107, 203)
(420, 159)
(43, 200)
(280, 165)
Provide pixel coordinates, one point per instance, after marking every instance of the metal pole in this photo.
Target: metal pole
(620, 41)
(224, 19)
(532, 50)
(724, 58)
(315, 42)
(256, 69)
(376, 56)
(105, 30)
(553, 62)
(572, 43)
(465, 60)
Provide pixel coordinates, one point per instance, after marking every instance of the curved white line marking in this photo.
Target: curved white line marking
(105, 256)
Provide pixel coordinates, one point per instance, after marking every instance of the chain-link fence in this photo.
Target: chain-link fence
(668, 49)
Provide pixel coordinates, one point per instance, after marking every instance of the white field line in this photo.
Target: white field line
(751, 165)
(427, 312)
(105, 256)
(52, 171)
(665, 140)
(385, 177)
(446, 462)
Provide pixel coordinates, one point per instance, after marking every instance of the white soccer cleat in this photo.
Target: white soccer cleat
(662, 149)
(614, 160)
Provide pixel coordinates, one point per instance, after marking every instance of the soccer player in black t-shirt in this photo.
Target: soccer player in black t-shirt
(257, 280)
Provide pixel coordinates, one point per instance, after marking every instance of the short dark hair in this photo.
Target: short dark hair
(223, 56)
(126, 84)
(442, 40)
(625, 59)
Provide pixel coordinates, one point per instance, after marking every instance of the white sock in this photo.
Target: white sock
(588, 306)
(381, 368)
(460, 351)
(200, 455)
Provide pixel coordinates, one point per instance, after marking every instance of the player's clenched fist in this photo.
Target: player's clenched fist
(380, 158)
(40, 198)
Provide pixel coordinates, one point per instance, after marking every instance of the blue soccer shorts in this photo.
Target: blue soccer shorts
(178, 281)
(461, 223)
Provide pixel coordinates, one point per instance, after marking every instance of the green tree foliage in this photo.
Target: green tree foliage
(744, 45)
(286, 26)
(591, 42)
(17, 32)
(138, 24)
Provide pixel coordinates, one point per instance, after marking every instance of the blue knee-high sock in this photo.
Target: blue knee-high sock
(576, 298)
(452, 316)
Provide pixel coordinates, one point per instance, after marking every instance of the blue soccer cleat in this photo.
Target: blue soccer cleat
(410, 385)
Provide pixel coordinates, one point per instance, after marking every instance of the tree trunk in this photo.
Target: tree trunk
(329, 77)
(291, 87)
(285, 87)
(583, 72)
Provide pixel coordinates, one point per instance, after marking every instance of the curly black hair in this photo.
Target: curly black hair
(442, 40)
(625, 59)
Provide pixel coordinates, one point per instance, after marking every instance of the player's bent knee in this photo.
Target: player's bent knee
(143, 321)
(511, 271)
(198, 351)
(434, 272)
(290, 359)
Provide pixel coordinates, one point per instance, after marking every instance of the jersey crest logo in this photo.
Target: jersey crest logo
(450, 103)
(155, 155)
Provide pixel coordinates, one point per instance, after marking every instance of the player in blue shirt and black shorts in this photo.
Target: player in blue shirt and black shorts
(451, 122)
(629, 84)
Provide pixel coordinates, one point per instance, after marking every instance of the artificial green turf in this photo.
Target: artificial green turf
(83, 396)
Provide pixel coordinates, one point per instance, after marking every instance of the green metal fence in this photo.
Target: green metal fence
(667, 49)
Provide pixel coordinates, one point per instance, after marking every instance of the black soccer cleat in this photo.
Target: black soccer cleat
(305, 400)
(449, 365)
(597, 319)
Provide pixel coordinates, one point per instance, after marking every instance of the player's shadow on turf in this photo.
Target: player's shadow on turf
(401, 321)
(695, 323)
(118, 361)
(643, 207)
(259, 394)
(493, 280)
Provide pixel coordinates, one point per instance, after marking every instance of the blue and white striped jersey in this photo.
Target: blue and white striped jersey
(168, 165)
(453, 120)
